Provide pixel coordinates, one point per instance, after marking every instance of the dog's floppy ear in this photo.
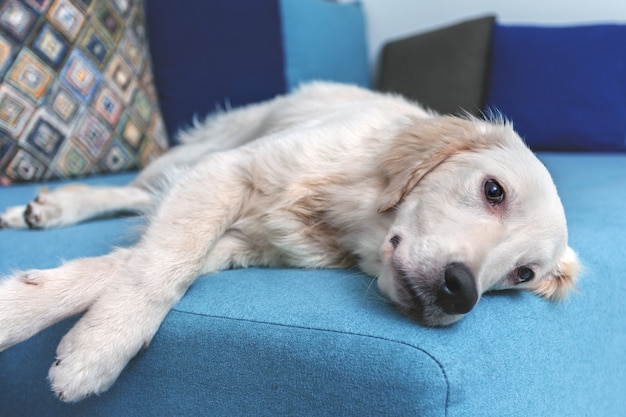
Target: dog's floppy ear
(561, 280)
(422, 146)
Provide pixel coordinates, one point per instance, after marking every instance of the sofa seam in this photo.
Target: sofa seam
(343, 332)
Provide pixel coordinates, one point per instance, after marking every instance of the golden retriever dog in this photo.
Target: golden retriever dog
(439, 209)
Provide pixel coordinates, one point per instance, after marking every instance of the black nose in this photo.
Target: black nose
(457, 294)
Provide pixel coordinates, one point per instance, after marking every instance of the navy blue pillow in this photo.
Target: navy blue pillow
(226, 53)
(213, 53)
(564, 88)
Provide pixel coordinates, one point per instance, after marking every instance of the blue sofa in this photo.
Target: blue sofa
(295, 342)
(268, 342)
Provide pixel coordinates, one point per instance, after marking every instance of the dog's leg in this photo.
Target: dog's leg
(75, 203)
(159, 269)
(116, 327)
(13, 217)
(33, 300)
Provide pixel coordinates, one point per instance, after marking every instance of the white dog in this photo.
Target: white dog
(440, 209)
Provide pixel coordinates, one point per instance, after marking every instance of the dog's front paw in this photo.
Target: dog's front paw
(13, 218)
(20, 307)
(88, 363)
(94, 352)
(43, 212)
(82, 372)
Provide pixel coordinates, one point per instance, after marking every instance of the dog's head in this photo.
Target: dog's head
(474, 211)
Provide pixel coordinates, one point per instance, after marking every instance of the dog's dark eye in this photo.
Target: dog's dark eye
(494, 192)
(524, 274)
(395, 241)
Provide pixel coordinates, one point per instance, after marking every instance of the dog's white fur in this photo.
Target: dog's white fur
(330, 176)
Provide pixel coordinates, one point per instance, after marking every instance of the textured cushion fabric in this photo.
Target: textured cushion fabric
(273, 342)
(564, 88)
(220, 54)
(444, 69)
(76, 92)
(324, 40)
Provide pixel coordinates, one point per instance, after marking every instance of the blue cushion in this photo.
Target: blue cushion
(324, 40)
(257, 342)
(563, 87)
(219, 54)
(207, 54)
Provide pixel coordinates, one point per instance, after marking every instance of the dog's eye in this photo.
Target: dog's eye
(524, 274)
(395, 241)
(494, 192)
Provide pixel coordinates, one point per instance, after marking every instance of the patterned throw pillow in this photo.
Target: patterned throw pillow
(76, 96)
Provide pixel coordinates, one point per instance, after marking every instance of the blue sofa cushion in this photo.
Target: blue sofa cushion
(76, 91)
(324, 40)
(217, 54)
(267, 342)
(564, 88)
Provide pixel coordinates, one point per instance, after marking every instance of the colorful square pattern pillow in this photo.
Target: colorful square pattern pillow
(76, 96)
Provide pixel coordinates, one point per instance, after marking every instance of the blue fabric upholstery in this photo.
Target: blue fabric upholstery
(294, 342)
(563, 87)
(217, 54)
(324, 40)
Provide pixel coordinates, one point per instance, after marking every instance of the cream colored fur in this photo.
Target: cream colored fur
(331, 176)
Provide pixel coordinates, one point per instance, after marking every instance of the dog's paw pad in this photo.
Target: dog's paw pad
(31, 277)
(34, 216)
(42, 213)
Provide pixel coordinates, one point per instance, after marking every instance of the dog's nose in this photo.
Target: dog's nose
(458, 293)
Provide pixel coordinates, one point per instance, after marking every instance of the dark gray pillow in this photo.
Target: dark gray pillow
(446, 70)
